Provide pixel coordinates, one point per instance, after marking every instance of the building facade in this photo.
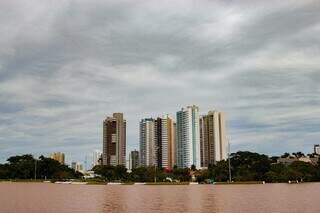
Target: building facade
(76, 166)
(212, 138)
(157, 142)
(188, 137)
(317, 149)
(165, 142)
(133, 159)
(114, 140)
(147, 142)
(58, 156)
(96, 158)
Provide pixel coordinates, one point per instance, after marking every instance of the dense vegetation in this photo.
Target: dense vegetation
(248, 166)
(142, 174)
(245, 166)
(26, 167)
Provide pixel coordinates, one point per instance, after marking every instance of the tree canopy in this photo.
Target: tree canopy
(26, 167)
(245, 166)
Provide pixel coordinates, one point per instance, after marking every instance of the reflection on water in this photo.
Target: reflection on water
(47, 198)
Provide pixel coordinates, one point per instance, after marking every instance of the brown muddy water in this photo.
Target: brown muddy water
(60, 198)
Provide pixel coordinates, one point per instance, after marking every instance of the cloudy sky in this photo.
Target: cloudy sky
(65, 65)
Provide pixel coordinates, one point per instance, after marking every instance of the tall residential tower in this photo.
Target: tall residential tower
(114, 140)
(157, 142)
(96, 158)
(133, 159)
(212, 138)
(165, 140)
(188, 137)
(147, 142)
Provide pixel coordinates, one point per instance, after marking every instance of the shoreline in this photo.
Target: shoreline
(146, 183)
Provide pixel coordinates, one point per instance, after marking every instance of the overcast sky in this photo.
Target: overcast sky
(65, 65)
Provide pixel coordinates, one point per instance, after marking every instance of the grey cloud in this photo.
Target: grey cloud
(63, 68)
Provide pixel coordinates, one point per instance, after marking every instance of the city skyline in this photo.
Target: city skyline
(64, 67)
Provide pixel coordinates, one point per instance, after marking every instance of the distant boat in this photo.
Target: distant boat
(79, 183)
(193, 183)
(139, 183)
(63, 182)
(113, 183)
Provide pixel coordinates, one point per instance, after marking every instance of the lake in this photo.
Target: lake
(60, 198)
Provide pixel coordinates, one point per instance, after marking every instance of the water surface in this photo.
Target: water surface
(58, 198)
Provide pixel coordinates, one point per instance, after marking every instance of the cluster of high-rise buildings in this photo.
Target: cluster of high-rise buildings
(191, 139)
(165, 142)
(58, 156)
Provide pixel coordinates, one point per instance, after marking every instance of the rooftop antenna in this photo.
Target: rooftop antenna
(86, 162)
(229, 161)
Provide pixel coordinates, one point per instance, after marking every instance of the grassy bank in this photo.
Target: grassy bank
(101, 182)
(22, 181)
(239, 182)
(167, 183)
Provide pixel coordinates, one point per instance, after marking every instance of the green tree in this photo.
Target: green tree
(142, 174)
(106, 171)
(23, 167)
(285, 155)
(120, 172)
(248, 166)
(182, 174)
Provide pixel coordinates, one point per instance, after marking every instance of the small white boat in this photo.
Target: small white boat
(139, 183)
(193, 183)
(113, 183)
(79, 183)
(63, 182)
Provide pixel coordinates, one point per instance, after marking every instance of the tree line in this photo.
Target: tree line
(245, 166)
(248, 166)
(142, 174)
(27, 167)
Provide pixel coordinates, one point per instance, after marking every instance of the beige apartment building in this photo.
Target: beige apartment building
(212, 138)
(58, 156)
